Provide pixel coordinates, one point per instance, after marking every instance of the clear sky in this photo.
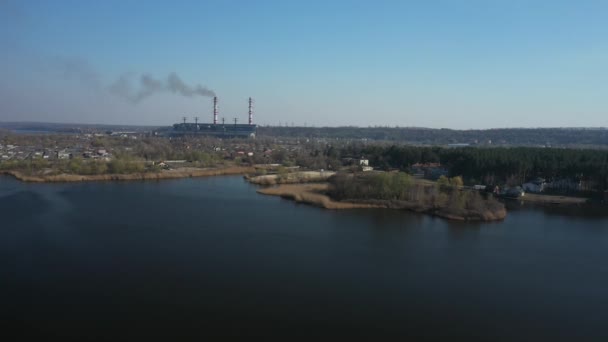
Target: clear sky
(455, 64)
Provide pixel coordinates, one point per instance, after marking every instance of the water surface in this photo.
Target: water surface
(209, 256)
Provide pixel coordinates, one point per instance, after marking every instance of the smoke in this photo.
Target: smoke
(176, 85)
(75, 69)
(146, 85)
(131, 87)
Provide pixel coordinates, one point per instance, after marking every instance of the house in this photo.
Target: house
(536, 185)
(63, 155)
(533, 187)
(363, 162)
(428, 170)
(163, 165)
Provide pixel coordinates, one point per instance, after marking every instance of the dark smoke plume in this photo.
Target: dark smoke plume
(147, 86)
(176, 85)
(128, 86)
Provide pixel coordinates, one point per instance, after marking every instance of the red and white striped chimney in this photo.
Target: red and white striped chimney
(250, 111)
(215, 110)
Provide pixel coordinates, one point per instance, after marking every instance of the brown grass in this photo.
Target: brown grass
(164, 174)
(312, 194)
(292, 178)
(552, 199)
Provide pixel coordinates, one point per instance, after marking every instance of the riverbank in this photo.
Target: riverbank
(291, 178)
(315, 194)
(552, 199)
(312, 194)
(163, 174)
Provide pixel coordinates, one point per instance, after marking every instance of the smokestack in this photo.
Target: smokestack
(215, 110)
(250, 111)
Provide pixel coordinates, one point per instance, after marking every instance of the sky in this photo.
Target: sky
(462, 64)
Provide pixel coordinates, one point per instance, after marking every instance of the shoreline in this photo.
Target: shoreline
(313, 194)
(298, 177)
(542, 199)
(165, 174)
(310, 194)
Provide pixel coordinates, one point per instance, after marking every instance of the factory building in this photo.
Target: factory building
(217, 129)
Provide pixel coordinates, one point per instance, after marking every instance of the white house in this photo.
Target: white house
(63, 155)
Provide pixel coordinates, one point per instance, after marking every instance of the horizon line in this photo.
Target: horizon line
(317, 127)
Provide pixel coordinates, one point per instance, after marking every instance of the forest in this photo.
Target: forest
(570, 137)
(512, 166)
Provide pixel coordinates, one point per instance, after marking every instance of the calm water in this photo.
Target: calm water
(209, 256)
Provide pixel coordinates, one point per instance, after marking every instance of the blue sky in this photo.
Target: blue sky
(454, 64)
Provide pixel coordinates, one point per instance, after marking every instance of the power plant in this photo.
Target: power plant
(216, 129)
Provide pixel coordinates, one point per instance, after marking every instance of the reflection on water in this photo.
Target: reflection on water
(199, 257)
(585, 211)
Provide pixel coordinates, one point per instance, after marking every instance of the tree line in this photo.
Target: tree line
(399, 189)
(498, 165)
(511, 136)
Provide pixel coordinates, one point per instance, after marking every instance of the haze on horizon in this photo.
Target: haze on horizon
(453, 64)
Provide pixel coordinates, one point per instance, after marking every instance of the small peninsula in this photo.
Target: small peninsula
(395, 191)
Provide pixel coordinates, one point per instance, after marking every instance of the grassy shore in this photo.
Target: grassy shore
(292, 178)
(163, 174)
(312, 194)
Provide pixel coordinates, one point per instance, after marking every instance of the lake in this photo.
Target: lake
(201, 257)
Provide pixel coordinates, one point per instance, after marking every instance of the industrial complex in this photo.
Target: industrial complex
(217, 129)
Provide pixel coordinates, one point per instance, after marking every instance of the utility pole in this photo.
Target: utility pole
(184, 119)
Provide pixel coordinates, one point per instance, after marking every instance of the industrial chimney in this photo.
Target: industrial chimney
(250, 111)
(215, 110)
